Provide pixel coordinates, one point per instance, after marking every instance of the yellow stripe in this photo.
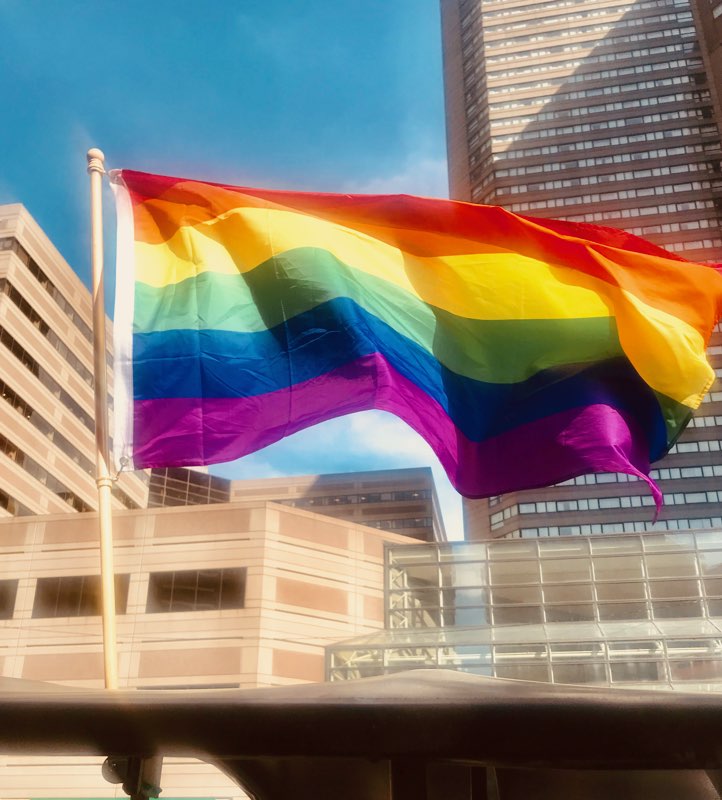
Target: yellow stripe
(511, 286)
(667, 352)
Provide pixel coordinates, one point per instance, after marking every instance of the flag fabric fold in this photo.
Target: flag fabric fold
(524, 351)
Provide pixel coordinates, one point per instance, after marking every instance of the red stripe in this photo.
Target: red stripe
(428, 227)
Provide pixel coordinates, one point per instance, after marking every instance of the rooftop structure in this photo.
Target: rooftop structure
(630, 610)
(403, 501)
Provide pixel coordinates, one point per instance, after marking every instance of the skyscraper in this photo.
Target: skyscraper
(604, 112)
(47, 439)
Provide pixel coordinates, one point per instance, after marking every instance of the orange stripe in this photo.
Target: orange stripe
(427, 228)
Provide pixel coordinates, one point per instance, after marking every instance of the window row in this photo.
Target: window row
(698, 97)
(688, 64)
(35, 270)
(608, 217)
(554, 115)
(622, 213)
(366, 497)
(705, 422)
(604, 125)
(13, 506)
(702, 446)
(676, 34)
(693, 244)
(80, 595)
(50, 335)
(572, 16)
(594, 504)
(674, 227)
(639, 526)
(655, 154)
(598, 91)
(43, 426)
(659, 473)
(618, 194)
(547, 150)
(593, 144)
(600, 611)
(625, 501)
(638, 55)
(46, 379)
(597, 31)
(536, 8)
(399, 524)
(37, 471)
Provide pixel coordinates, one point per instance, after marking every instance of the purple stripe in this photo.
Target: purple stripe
(191, 431)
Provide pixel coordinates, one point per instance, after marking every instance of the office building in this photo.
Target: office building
(403, 501)
(235, 595)
(630, 610)
(604, 112)
(47, 428)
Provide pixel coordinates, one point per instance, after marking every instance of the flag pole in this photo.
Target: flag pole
(103, 479)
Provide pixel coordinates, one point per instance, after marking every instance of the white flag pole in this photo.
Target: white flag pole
(103, 479)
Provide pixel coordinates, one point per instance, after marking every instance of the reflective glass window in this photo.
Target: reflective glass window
(616, 611)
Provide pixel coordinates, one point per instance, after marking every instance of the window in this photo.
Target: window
(196, 590)
(76, 596)
(8, 591)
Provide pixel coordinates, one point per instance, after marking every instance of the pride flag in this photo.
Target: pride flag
(524, 351)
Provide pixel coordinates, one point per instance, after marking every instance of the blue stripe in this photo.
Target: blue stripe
(187, 363)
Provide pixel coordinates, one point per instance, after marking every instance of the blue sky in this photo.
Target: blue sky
(315, 95)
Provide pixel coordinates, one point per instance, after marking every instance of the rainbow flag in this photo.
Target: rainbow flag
(524, 351)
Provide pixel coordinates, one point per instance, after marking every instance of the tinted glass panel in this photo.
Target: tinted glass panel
(76, 596)
(196, 590)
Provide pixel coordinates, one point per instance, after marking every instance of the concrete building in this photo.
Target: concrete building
(235, 595)
(607, 112)
(594, 111)
(400, 500)
(47, 429)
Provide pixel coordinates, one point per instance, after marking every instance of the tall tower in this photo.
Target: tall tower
(608, 112)
(47, 440)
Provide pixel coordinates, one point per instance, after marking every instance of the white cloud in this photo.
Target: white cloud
(420, 175)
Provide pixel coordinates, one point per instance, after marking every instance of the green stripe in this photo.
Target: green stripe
(499, 351)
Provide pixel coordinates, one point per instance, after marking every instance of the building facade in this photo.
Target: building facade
(632, 610)
(589, 110)
(402, 501)
(604, 112)
(236, 595)
(47, 427)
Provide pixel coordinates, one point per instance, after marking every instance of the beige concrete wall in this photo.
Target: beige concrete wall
(310, 581)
